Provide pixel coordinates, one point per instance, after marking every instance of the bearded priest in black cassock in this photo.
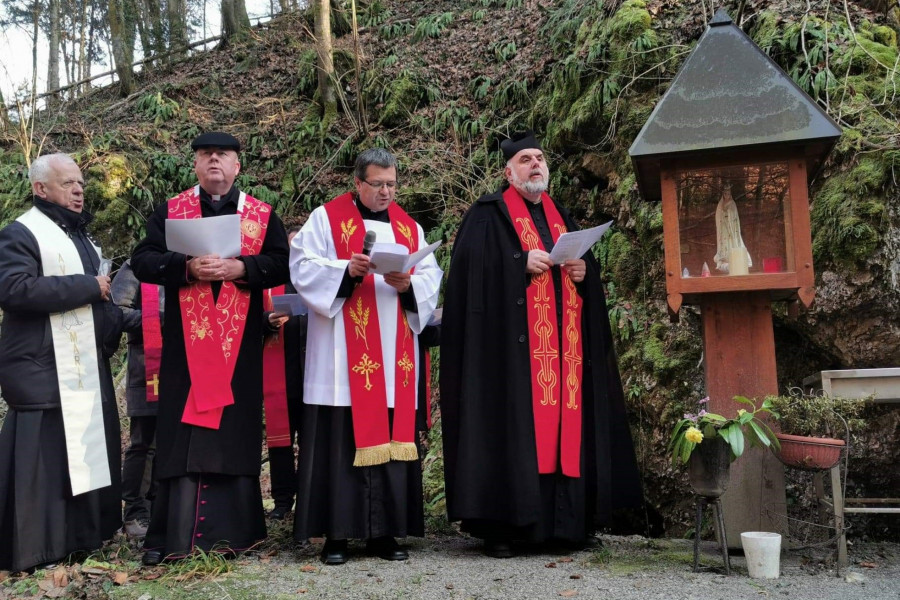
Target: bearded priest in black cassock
(209, 432)
(536, 442)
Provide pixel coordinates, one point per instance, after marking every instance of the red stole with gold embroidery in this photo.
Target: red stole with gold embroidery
(556, 400)
(151, 328)
(278, 427)
(375, 444)
(213, 331)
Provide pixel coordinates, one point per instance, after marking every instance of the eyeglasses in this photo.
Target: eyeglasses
(377, 185)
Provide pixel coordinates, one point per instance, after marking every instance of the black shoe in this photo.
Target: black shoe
(279, 513)
(387, 548)
(151, 558)
(334, 552)
(498, 548)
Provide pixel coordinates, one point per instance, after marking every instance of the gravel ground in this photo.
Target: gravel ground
(623, 568)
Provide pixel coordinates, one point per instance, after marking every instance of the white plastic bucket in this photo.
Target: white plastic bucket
(763, 553)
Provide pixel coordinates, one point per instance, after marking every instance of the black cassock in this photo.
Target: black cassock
(40, 520)
(490, 457)
(208, 494)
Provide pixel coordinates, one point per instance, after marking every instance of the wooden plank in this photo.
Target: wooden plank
(671, 233)
(738, 283)
(873, 511)
(739, 347)
(802, 232)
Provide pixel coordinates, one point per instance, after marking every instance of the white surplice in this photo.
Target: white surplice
(316, 273)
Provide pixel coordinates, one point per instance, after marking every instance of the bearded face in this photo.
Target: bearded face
(527, 171)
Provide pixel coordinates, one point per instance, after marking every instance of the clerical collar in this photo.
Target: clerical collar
(371, 215)
(68, 220)
(232, 196)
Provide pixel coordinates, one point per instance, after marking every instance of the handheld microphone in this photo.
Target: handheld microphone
(368, 242)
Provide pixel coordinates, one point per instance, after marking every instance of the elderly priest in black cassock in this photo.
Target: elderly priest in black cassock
(59, 446)
(209, 432)
(536, 444)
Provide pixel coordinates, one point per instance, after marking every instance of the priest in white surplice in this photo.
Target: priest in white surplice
(59, 446)
(360, 476)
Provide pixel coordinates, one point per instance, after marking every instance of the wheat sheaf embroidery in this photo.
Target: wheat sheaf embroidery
(360, 318)
(347, 231)
(406, 232)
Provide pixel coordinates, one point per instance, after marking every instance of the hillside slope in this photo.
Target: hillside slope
(443, 81)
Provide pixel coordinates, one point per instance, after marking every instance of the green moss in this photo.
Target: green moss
(618, 258)
(885, 35)
(766, 32)
(656, 353)
(631, 20)
(848, 213)
(403, 95)
(870, 56)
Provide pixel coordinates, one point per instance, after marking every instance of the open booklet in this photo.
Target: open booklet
(211, 235)
(390, 257)
(289, 305)
(575, 243)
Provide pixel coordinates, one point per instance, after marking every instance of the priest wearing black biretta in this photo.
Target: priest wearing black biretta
(536, 443)
(209, 432)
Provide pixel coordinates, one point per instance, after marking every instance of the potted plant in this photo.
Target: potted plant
(711, 441)
(813, 428)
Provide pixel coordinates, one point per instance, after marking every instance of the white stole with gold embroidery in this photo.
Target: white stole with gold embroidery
(77, 369)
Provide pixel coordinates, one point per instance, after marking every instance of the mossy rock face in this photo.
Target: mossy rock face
(109, 178)
(869, 55)
(619, 259)
(766, 32)
(403, 95)
(848, 213)
(631, 20)
(885, 35)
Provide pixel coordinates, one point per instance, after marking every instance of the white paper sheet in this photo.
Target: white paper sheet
(210, 235)
(575, 243)
(390, 257)
(289, 305)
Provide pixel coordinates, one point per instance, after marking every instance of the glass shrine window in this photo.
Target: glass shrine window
(735, 220)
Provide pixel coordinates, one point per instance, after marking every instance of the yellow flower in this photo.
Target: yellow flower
(693, 435)
(741, 412)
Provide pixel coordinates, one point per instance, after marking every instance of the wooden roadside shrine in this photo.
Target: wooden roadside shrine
(730, 150)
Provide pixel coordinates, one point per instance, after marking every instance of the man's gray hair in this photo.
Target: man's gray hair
(43, 165)
(373, 156)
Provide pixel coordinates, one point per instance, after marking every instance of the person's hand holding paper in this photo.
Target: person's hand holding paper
(208, 240)
(574, 244)
(395, 258)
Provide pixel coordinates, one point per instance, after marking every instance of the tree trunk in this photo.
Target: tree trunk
(35, 31)
(327, 96)
(284, 5)
(121, 28)
(90, 48)
(4, 115)
(155, 28)
(234, 18)
(53, 62)
(83, 70)
(176, 15)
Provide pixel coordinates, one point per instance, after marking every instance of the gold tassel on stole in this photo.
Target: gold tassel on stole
(404, 451)
(373, 455)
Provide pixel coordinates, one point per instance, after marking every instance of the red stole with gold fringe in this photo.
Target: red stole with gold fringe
(213, 331)
(375, 444)
(555, 390)
(275, 403)
(151, 327)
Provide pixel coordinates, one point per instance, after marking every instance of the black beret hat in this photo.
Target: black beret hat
(216, 139)
(518, 142)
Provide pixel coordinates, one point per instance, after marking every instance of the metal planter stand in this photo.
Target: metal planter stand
(708, 470)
